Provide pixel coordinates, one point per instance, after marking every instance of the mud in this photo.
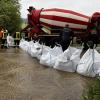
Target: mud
(23, 78)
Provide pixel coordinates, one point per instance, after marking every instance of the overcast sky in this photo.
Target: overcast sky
(87, 7)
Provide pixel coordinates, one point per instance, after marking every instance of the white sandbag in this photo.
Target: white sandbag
(75, 58)
(31, 43)
(21, 43)
(57, 50)
(63, 61)
(48, 58)
(43, 51)
(89, 63)
(24, 45)
(10, 41)
(96, 62)
(36, 50)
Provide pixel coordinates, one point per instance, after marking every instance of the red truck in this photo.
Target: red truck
(47, 23)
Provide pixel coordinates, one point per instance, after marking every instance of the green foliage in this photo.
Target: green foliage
(92, 92)
(10, 15)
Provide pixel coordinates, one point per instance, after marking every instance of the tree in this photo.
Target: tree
(10, 15)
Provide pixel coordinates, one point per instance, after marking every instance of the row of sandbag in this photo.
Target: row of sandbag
(69, 60)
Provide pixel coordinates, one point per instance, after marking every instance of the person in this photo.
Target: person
(23, 35)
(66, 35)
(29, 34)
(92, 39)
(1, 35)
(30, 9)
(94, 36)
(4, 38)
(35, 37)
(17, 37)
(30, 20)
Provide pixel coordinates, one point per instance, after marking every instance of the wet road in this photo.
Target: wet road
(23, 78)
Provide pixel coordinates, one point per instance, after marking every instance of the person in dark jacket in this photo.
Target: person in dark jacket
(66, 37)
(94, 36)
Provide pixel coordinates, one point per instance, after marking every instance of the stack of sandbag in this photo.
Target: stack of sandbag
(68, 60)
(24, 45)
(35, 49)
(49, 56)
(89, 64)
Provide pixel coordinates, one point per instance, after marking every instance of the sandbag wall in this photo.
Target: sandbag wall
(69, 60)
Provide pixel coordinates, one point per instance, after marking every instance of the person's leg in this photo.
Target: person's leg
(18, 43)
(65, 45)
(90, 44)
(2, 43)
(62, 45)
(14, 43)
(96, 40)
(85, 46)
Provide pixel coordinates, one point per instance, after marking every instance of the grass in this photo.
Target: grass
(92, 92)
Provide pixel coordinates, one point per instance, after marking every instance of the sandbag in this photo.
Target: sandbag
(75, 58)
(10, 41)
(21, 43)
(24, 45)
(63, 62)
(36, 49)
(48, 58)
(89, 64)
(96, 62)
(31, 43)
